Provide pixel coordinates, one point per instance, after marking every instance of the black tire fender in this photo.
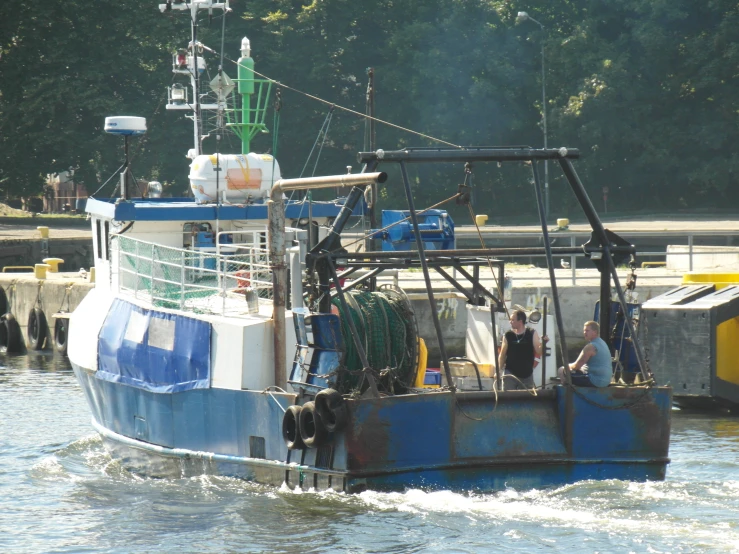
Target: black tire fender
(10, 335)
(332, 409)
(312, 430)
(291, 428)
(37, 329)
(61, 332)
(4, 304)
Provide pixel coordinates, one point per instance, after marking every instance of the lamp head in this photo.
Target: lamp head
(178, 94)
(535, 316)
(155, 189)
(245, 47)
(522, 16)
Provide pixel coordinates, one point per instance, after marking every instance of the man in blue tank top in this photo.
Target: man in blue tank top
(593, 367)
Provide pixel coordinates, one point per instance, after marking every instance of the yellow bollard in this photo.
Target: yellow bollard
(54, 263)
(44, 231)
(39, 270)
(92, 274)
(481, 220)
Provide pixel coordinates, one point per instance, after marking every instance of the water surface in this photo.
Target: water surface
(61, 492)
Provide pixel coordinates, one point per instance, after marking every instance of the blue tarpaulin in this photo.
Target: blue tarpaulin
(156, 351)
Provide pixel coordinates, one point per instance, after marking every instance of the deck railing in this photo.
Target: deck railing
(232, 278)
(688, 250)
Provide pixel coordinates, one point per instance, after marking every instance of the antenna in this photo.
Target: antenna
(127, 126)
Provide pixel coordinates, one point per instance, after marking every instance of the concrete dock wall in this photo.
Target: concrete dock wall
(577, 304)
(76, 252)
(61, 292)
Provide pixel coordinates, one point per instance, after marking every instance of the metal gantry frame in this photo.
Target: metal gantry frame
(605, 248)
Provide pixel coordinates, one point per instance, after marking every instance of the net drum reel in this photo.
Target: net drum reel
(388, 332)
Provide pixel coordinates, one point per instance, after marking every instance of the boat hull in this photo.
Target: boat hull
(468, 441)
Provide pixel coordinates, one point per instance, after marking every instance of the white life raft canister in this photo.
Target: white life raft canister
(242, 177)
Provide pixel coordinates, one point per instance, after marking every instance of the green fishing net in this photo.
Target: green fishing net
(387, 332)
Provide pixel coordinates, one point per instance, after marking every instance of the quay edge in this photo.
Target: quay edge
(65, 290)
(58, 293)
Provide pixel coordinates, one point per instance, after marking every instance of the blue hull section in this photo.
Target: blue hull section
(203, 420)
(467, 441)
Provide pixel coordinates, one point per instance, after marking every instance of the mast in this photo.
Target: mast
(195, 78)
(246, 89)
(190, 65)
(250, 119)
(372, 143)
(246, 122)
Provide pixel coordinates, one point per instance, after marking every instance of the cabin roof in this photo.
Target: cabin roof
(185, 209)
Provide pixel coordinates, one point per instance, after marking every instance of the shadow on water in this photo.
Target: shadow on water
(703, 429)
(36, 361)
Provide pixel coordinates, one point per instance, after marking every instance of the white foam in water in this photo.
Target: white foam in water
(55, 467)
(296, 490)
(578, 511)
(50, 468)
(506, 505)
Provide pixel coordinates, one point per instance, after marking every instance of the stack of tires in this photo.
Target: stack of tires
(314, 423)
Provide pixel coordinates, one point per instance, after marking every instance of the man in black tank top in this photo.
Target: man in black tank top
(519, 353)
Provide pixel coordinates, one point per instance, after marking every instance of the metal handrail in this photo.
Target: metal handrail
(186, 280)
(572, 235)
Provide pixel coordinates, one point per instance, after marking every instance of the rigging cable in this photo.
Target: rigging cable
(322, 133)
(354, 112)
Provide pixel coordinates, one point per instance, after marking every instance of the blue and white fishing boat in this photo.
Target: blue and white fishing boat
(220, 339)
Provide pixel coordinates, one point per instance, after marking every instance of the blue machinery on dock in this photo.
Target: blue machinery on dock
(435, 226)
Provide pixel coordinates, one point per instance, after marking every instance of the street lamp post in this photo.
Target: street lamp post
(523, 16)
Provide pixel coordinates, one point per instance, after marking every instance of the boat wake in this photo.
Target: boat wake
(77, 460)
(674, 516)
(627, 513)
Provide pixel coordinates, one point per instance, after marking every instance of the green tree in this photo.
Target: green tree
(65, 67)
(648, 91)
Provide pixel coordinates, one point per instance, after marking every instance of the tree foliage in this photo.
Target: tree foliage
(646, 89)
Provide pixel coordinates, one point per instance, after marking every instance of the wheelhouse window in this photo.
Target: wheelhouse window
(98, 239)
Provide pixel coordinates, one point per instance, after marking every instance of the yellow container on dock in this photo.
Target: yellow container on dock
(727, 350)
(727, 333)
(44, 231)
(92, 274)
(563, 223)
(481, 220)
(39, 270)
(53, 263)
(721, 280)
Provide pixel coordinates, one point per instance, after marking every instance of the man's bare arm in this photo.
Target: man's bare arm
(503, 355)
(587, 353)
